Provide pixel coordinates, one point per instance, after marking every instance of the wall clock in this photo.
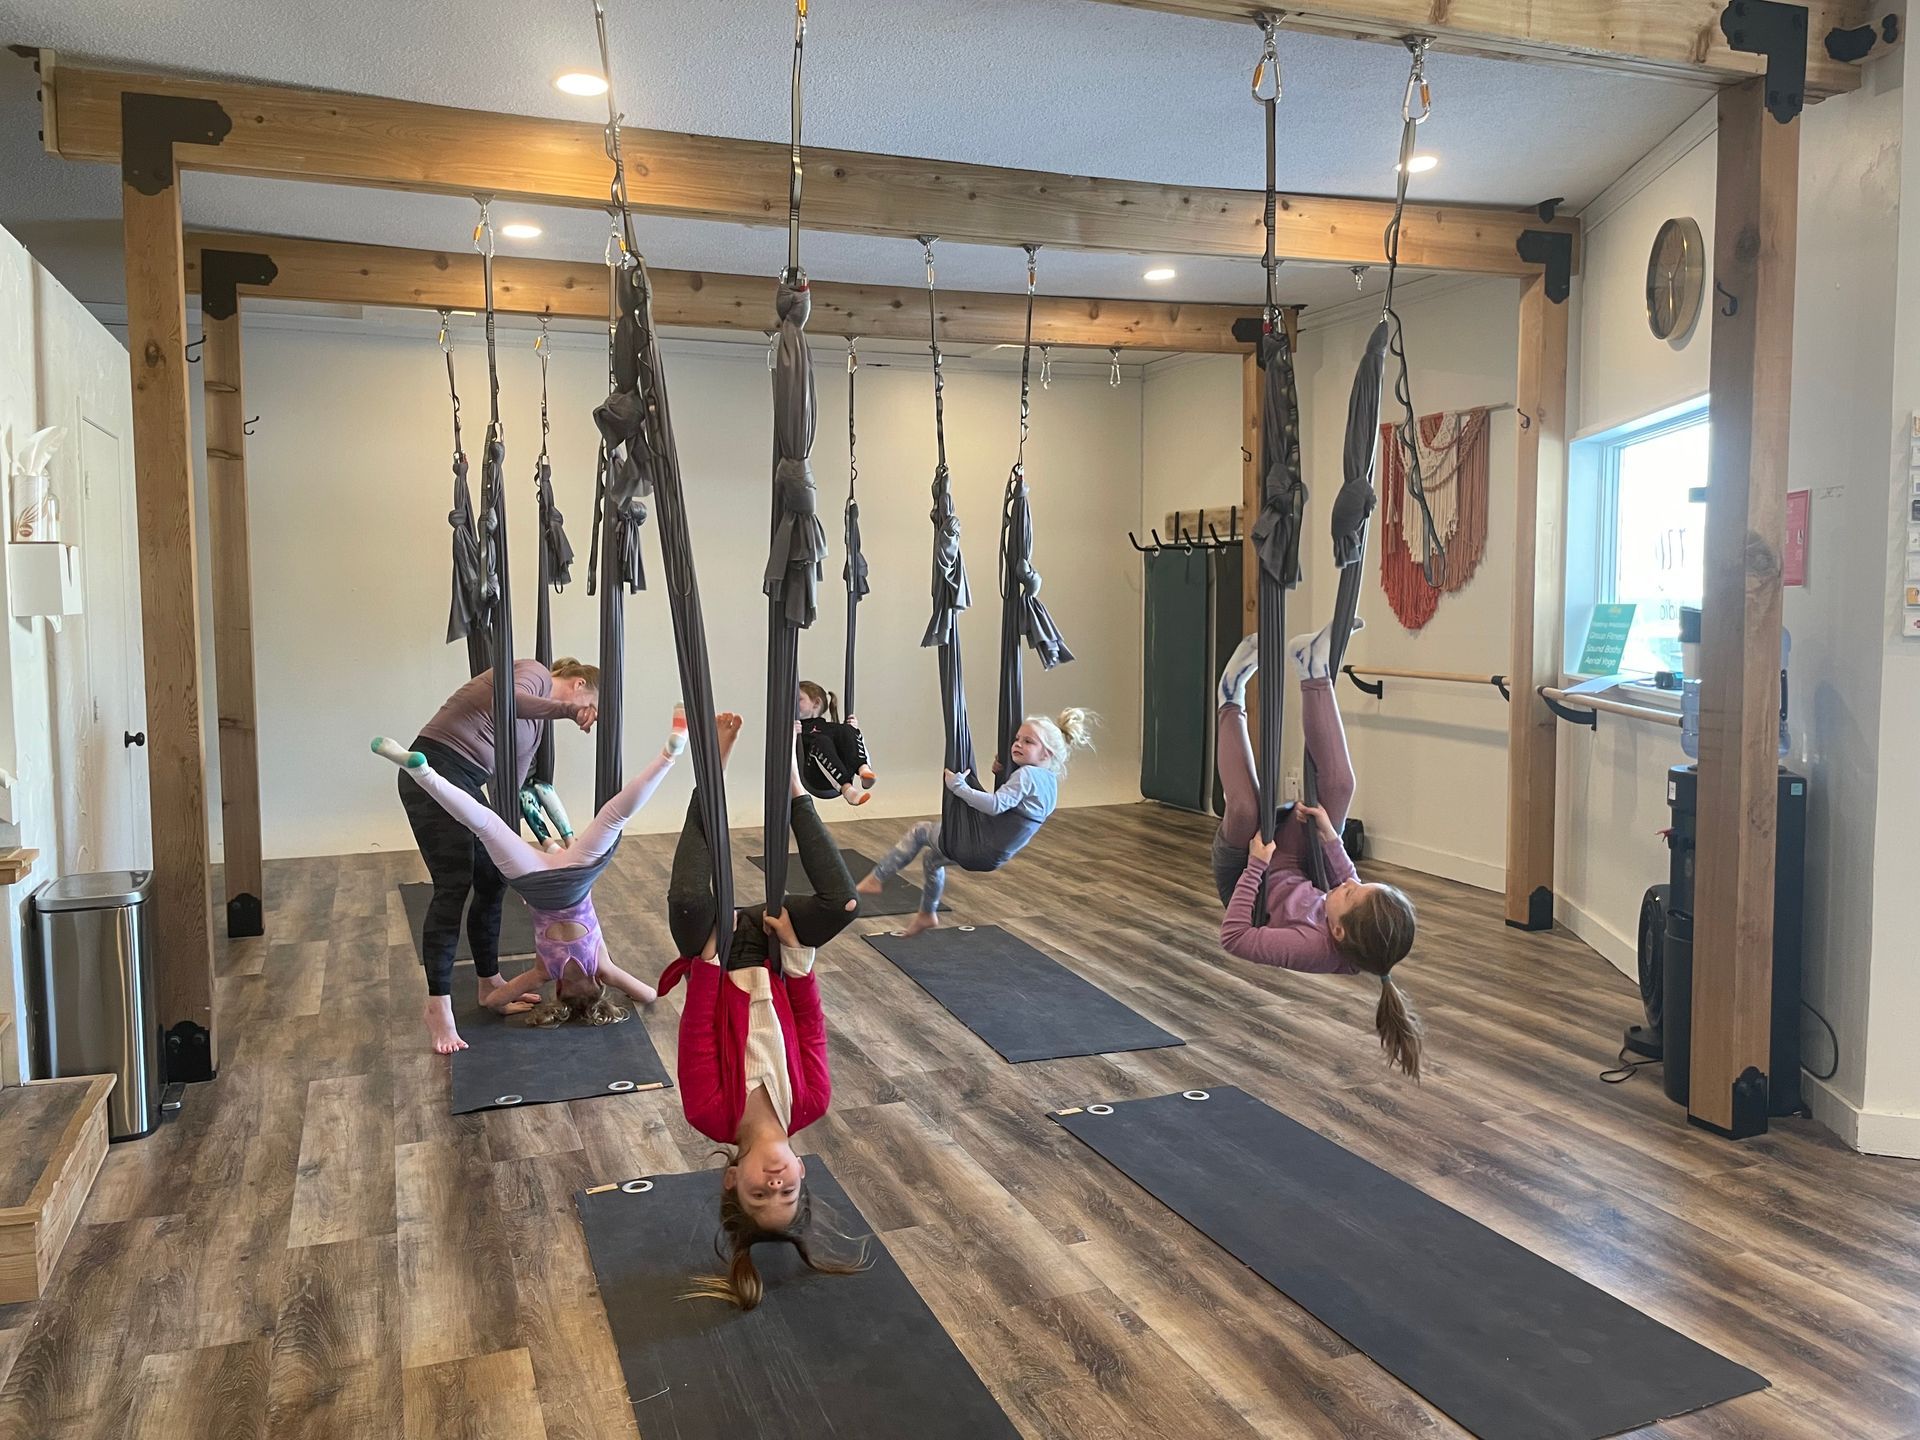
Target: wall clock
(1676, 278)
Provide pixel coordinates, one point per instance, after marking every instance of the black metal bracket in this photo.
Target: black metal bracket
(151, 125)
(188, 1052)
(223, 272)
(1547, 209)
(1539, 911)
(1554, 250)
(1375, 688)
(244, 917)
(1779, 32)
(1851, 46)
(1500, 684)
(1248, 329)
(1588, 718)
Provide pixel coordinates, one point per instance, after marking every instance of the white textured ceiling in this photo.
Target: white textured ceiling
(1062, 85)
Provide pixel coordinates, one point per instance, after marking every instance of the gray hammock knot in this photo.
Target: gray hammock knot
(793, 302)
(1276, 535)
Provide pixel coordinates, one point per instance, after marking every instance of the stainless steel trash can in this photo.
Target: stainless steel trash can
(90, 1000)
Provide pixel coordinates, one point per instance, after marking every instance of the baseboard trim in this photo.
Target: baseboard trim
(1874, 1132)
(1618, 950)
(1463, 868)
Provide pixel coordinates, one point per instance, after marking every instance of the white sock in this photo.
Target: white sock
(399, 754)
(1321, 661)
(1239, 670)
(1300, 652)
(676, 737)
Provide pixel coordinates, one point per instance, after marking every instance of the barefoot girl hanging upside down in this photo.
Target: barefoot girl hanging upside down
(557, 885)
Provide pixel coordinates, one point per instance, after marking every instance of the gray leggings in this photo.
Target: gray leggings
(926, 836)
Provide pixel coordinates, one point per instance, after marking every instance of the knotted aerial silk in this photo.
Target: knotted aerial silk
(465, 616)
(796, 556)
(556, 572)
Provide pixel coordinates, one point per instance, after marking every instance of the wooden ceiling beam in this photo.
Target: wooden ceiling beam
(332, 272)
(321, 136)
(1674, 39)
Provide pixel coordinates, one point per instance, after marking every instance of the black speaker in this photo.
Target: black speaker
(1646, 1039)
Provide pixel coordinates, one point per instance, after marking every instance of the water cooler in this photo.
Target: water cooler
(1676, 960)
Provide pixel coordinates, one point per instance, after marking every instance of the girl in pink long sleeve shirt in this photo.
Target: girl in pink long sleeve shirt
(1353, 927)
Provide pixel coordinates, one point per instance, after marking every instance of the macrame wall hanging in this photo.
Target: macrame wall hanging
(1453, 459)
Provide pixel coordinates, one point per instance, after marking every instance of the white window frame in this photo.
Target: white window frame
(1594, 489)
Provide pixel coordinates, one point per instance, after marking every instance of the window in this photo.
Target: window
(1651, 532)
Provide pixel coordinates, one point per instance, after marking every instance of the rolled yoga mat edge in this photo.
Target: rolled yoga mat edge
(1506, 1343)
(841, 1355)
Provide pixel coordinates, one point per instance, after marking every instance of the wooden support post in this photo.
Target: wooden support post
(1751, 368)
(1539, 572)
(232, 564)
(170, 621)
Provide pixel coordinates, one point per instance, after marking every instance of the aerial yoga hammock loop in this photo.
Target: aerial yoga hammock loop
(970, 839)
(1415, 107)
(556, 557)
(854, 572)
(464, 620)
(797, 547)
(641, 458)
(496, 592)
(1275, 534)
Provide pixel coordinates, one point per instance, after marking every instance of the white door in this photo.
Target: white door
(114, 772)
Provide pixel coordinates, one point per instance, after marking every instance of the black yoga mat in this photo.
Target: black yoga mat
(1508, 1344)
(896, 897)
(822, 1355)
(516, 926)
(1024, 1004)
(507, 1062)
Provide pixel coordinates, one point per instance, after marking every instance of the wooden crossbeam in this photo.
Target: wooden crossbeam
(332, 272)
(291, 134)
(1679, 39)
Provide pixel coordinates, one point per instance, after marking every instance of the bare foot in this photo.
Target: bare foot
(872, 885)
(728, 724)
(491, 985)
(440, 1030)
(921, 923)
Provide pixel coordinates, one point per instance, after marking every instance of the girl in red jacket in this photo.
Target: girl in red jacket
(753, 1042)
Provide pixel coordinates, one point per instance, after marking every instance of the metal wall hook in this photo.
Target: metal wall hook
(1133, 540)
(193, 345)
(1732, 307)
(1526, 420)
(247, 429)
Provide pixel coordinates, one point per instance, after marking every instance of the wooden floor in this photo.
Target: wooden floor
(315, 1248)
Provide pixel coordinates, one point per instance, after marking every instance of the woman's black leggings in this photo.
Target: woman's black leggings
(817, 918)
(459, 866)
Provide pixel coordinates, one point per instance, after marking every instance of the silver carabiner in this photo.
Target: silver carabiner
(483, 230)
(542, 344)
(1046, 367)
(446, 332)
(1269, 66)
(853, 353)
(1113, 375)
(1417, 82)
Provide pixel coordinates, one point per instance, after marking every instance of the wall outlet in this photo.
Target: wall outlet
(1293, 786)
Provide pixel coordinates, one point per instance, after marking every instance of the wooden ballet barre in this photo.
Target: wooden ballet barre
(1383, 673)
(1580, 709)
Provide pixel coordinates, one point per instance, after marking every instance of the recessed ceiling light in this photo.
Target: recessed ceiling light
(580, 82)
(520, 230)
(1420, 164)
(1159, 273)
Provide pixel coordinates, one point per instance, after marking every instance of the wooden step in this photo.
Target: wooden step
(53, 1136)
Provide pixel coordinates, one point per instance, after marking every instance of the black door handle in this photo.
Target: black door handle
(134, 737)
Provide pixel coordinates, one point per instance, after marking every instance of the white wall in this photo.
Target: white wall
(68, 801)
(349, 487)
(1189, 437)
(1431, 757)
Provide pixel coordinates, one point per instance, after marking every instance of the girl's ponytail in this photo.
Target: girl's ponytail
(1399, 1029)
(1076, 727)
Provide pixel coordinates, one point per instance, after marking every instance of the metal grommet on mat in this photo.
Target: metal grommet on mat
(636, 1187)
(620, 1086)
(966, 929)
(1099, 1109)
(508, 1099)
(1195, 1095)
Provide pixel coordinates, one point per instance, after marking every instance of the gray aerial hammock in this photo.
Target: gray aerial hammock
(464, 620)
(496, 592)
(640, 458)
(854, 572)
(556, 560)
(1283, 494)
(798, 545)
(972, 840)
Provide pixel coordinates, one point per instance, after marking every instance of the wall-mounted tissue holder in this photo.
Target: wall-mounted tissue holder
(43, 578)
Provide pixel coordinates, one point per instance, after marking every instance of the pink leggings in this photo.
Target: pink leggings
(1233, 754)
